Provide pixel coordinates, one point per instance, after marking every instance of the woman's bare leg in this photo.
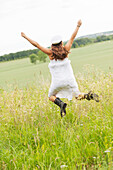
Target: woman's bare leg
(81, 96)
(89, 96)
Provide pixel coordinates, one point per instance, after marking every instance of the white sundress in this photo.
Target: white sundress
(63, 83)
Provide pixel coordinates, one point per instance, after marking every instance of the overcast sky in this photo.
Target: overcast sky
(42, 19)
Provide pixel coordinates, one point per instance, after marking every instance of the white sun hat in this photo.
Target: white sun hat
(56, 39)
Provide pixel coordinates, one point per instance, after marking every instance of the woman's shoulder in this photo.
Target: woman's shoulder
(50, 55)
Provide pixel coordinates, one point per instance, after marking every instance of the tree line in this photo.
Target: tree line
(18, 55)
(85, 41)
(39, 56)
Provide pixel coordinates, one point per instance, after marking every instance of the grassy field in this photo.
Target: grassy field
(33, 135)
(22, 72)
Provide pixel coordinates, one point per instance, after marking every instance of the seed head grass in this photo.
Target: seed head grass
(34, 136)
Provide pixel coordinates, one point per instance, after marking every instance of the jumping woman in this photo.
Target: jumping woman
(63, 83)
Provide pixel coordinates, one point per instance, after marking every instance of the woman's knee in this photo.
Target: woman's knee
(52, 98)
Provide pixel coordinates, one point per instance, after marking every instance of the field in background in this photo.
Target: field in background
(22, 73)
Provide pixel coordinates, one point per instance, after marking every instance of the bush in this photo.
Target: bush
(42, 56)
(33, 58)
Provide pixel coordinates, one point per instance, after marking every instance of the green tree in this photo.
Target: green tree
(33, 58)
(42, 56)
(74, 45)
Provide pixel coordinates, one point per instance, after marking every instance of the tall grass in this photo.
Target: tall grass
(34, 136)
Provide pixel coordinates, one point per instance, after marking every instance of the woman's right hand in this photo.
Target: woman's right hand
(23, 35)
(79, 23)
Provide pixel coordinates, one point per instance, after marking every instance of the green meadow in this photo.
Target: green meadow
(33, 135)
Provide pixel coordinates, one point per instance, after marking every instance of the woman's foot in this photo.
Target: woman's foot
(63, 109)
(91, 96)
(62, 106)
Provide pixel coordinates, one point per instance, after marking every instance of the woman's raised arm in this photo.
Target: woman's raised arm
(70, 42)
(34, 43)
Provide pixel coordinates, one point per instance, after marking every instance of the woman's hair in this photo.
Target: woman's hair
(59, 52)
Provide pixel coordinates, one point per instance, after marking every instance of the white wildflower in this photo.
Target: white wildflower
(107, 151)
(63, 166)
